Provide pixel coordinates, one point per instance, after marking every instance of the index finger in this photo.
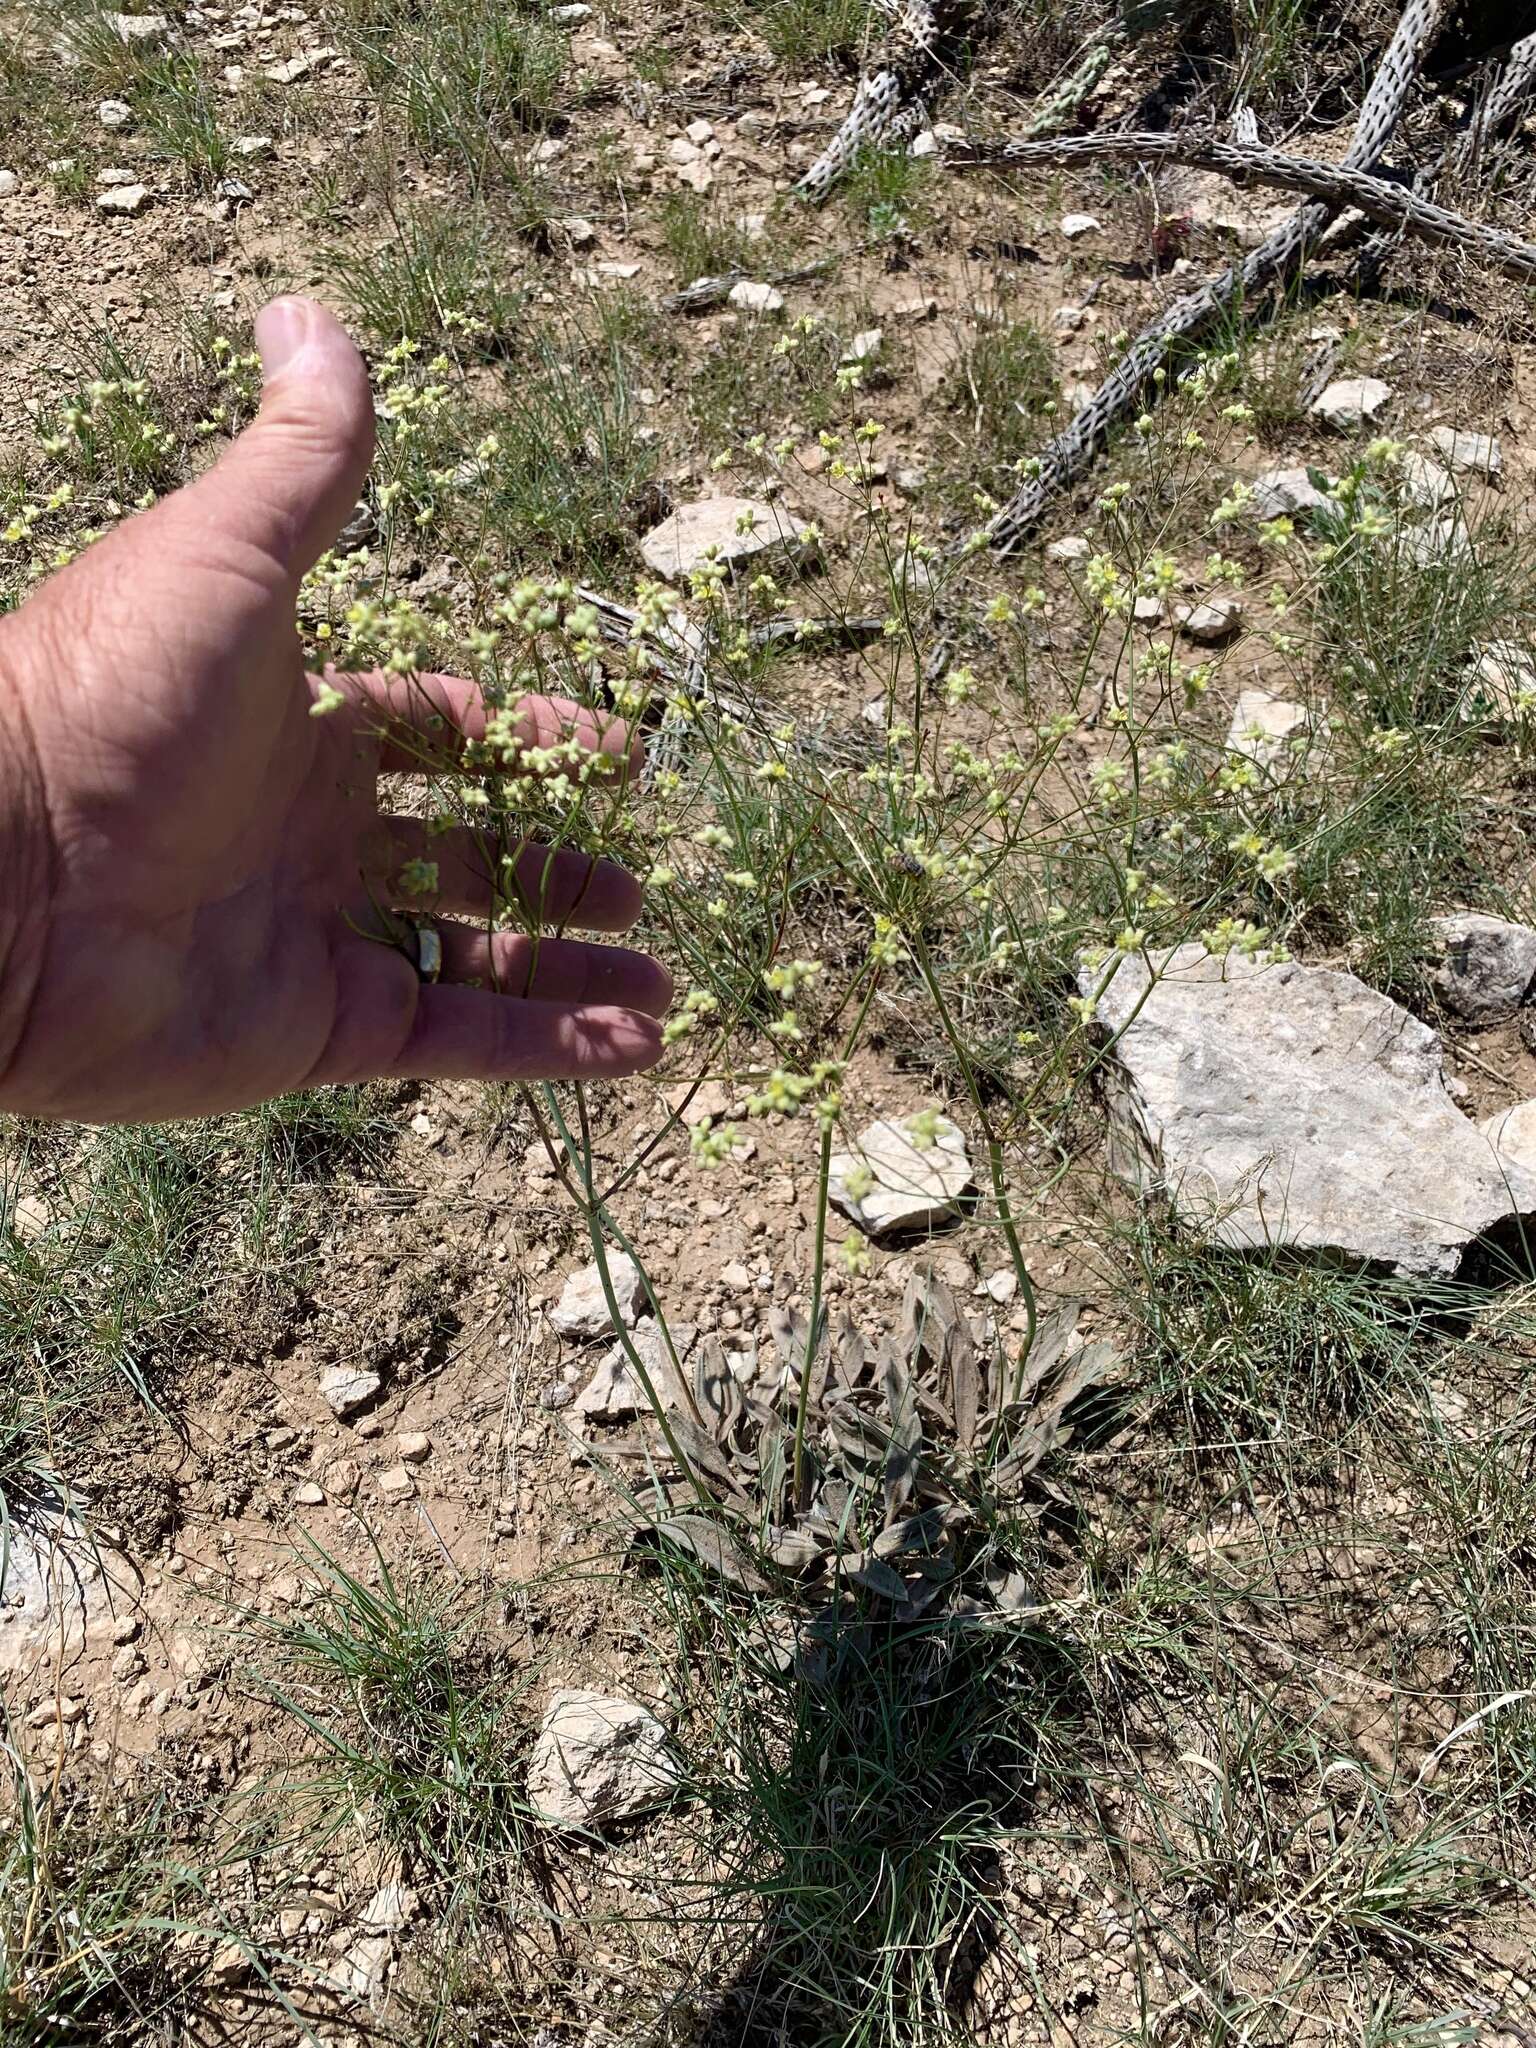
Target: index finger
(411, 715)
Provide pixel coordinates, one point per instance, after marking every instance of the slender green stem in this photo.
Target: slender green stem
(579, 1152)
(813, 1338)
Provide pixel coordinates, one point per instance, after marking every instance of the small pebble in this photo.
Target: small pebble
(123, 199)
(751, 296)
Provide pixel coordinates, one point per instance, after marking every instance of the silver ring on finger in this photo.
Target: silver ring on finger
(429, 950)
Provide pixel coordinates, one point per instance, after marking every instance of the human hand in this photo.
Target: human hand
(192, 866)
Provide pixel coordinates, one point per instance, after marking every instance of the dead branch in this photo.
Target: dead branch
(1339, 185)
(888, 106)
(1500, 108)
(1277, 259)
(891, 103)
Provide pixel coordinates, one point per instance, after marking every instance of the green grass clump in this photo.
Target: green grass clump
(1000, 390)
(411, 1721)
(464, 80)
(860, 1804)
(436, 277)
(109, 1913)
(117, 1249)
(802, 33)
(699, 242)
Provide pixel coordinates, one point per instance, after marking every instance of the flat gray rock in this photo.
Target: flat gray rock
(1473, 454)
(1351, 402)
(597, 1760)
(752, 295)
(615, 1392)
(1286, 494)
(346, 1388)
(1503, 675)
(142, 30)
(1265, 728)
(1284, 1105)
(56, 1591)
(1211, 623)
(1486, 964)
(712, 530)
(897, 1181)
(1426, 483)
(582, 1311)
(123, 199)
(1512, 1134)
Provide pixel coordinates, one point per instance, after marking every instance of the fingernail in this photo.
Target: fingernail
(281, 331)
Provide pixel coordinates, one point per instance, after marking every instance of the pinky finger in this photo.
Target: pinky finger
(464, 1034)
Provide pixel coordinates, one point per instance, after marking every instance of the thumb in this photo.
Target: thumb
(289, 483)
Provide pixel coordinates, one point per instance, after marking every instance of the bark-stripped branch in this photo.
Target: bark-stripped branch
(891, 104)
(1338, 185)
(1277, 259)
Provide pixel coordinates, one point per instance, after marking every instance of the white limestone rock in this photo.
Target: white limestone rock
(1280, 1105)
(1349, 403)
(1512, 1134)
(1438, 543)
(294, 68)
(751, 295)
(1486, 965)
(615, 1393)
(1211, 623)
(1265, 728)
(57, 1584)
(139, 31)
(123, 199)
(1502, 676)
(1287, 494)
(897, 1181)
(582, 1312)
(1215, 204)
(717, 529)
(1426, 484)
(346, 1388)
(598, 1760)
(1469, 454)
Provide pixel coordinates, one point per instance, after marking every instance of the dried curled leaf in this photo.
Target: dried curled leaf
(1036, 1427)
(713, 1548)
(715, 1390)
